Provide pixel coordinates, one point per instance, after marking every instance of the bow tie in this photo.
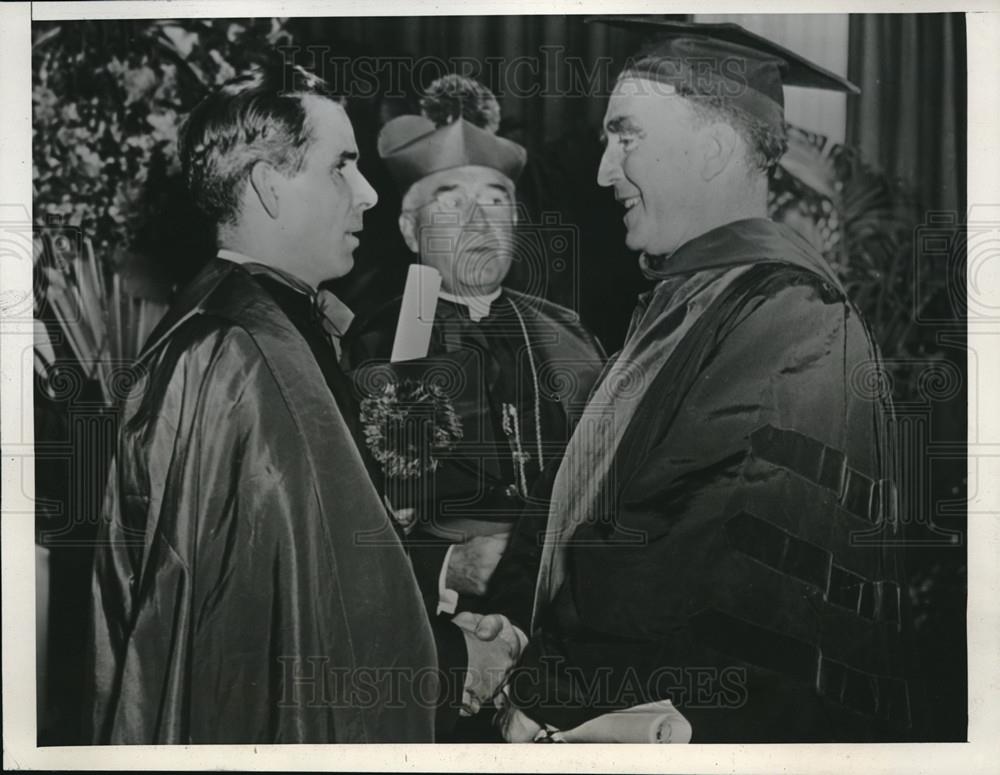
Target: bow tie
(332, 315)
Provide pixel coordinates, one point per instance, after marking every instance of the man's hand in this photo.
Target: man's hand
(493, 647)
(516, 727)
(473, 562)
(490, 626)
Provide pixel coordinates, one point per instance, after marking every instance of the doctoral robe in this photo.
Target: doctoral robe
(236, 596)
(723, 532)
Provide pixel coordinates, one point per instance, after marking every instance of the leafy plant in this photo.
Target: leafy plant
(108, 99)
(864, 223)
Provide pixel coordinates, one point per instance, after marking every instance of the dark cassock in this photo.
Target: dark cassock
(723, 530)
(233, 600)
(500, 383)
(516, 370)
(526, 367)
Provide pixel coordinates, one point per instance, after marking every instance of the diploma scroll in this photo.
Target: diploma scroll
(416, 315)
(653, 722)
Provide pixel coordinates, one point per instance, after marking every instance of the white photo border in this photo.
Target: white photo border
(16, 341)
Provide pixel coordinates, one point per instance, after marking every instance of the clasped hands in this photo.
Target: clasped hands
(492, 643)
(494, 646)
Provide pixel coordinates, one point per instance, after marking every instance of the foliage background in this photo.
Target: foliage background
(108, 99)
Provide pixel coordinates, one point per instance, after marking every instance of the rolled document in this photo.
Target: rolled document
(654, 722)
(416, 315)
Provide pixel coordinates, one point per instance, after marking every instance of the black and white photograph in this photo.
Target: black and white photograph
(500, 379)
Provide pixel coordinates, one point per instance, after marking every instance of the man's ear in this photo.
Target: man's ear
(719, 143)
(263, 180)
(408, 228)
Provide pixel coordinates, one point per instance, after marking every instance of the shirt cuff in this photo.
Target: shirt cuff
(447, 598)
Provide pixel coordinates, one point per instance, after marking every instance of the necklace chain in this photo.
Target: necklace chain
(534, 382)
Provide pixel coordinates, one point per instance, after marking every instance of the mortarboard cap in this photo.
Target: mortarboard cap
(723, 60)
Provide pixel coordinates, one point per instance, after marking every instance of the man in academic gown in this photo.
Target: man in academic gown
(723, 527)
(235, 598)
(524, 366)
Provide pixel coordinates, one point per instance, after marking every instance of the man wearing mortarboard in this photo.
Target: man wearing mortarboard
(521, 365)
(722, 525)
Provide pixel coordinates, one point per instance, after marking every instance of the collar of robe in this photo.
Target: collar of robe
(748, 241)
(330, 312)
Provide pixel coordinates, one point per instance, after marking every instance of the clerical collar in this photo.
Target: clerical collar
(479, 306)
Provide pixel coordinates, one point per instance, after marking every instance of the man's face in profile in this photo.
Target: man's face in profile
(463, 227)
(652, 160)
(322, 206)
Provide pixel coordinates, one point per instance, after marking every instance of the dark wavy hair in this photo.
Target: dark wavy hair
(256, 116)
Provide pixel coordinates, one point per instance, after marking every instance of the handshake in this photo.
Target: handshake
(494, 646)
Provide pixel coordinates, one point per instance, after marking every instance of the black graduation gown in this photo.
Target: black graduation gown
(233, 599)
(764, 595)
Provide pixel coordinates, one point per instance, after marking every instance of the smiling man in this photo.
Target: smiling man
(233, 601)
(723, 526)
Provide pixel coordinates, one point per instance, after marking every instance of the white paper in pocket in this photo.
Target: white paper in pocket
(416, 315)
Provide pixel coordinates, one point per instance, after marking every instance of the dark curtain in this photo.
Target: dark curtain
(910, 120)
(910, 116)
(528, 61)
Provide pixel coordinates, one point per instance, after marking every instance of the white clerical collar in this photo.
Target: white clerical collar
(479, 306)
